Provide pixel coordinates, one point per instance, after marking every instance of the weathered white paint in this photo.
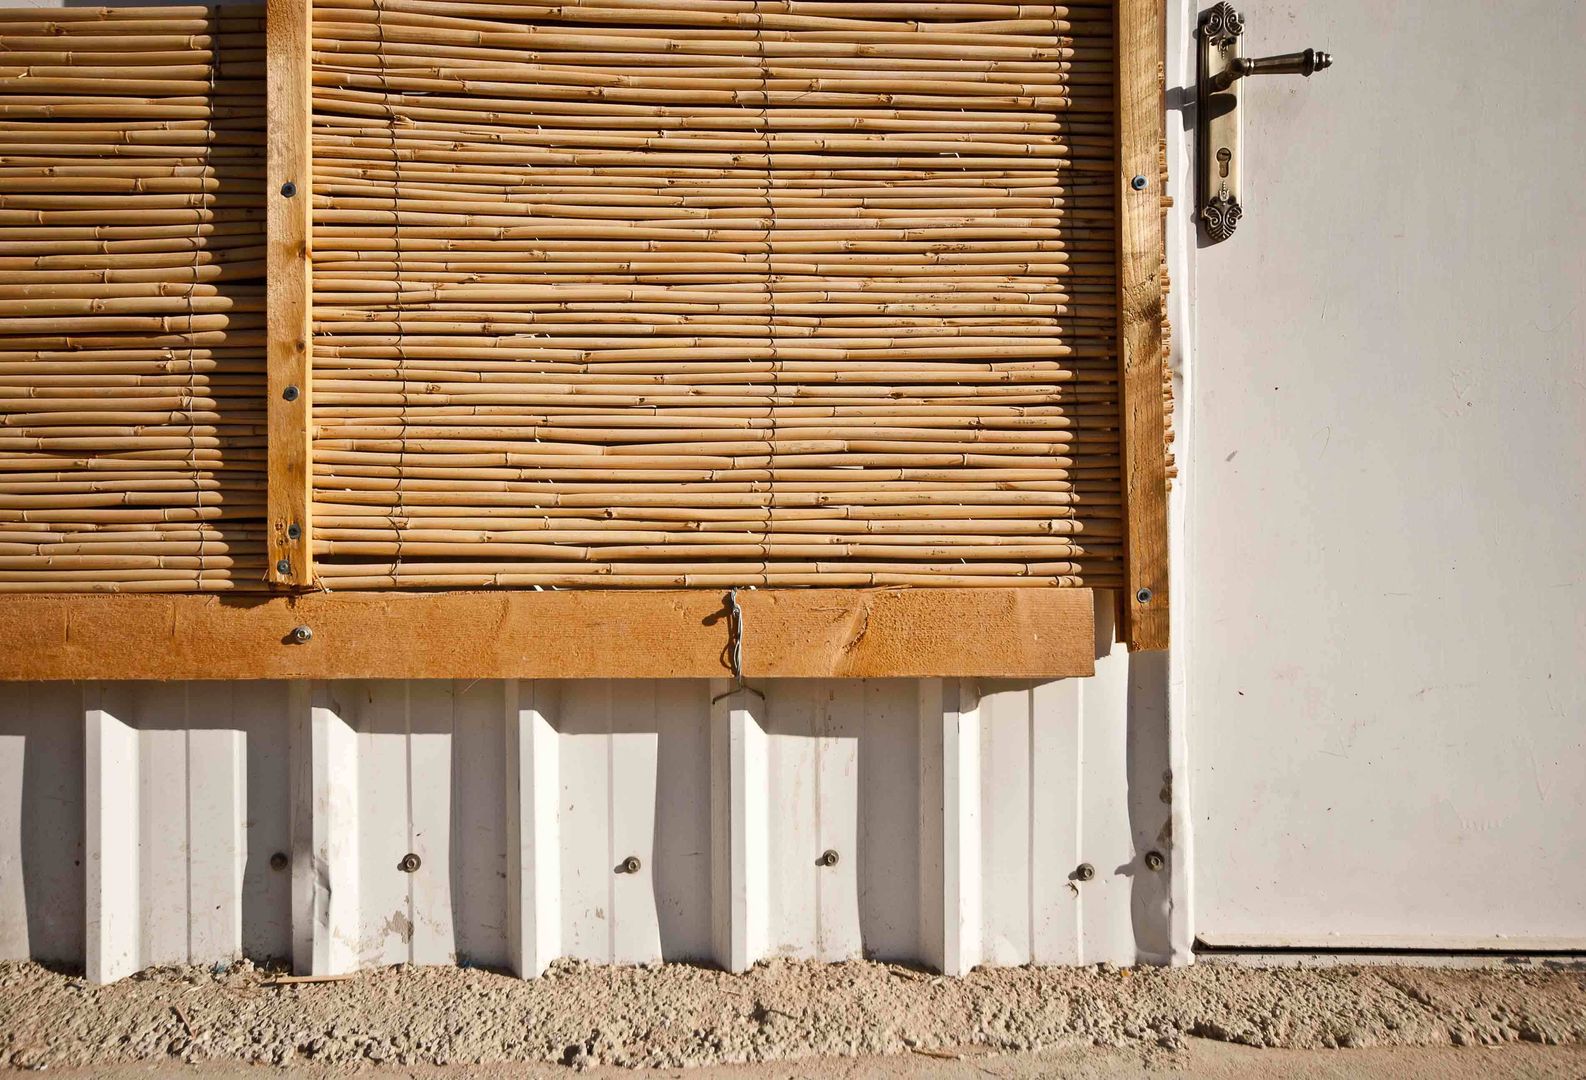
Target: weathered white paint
(217, 792)
(1168, 676)
(950, 825)
(534, 845)
(523, 800)
(740, 828)
(165, 790)
(112, 844)
(325, 823)
(1386, 490)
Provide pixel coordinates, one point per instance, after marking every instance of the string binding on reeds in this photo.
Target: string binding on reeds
(607, 293)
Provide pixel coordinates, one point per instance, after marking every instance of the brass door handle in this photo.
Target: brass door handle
(1305, 63)
(1222, 66)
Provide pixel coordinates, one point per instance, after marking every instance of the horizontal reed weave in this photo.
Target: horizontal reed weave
(132, 437)
(611, 293)
(715, 293)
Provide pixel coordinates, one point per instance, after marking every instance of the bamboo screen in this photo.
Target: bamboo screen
(132, 441)
(608, 293)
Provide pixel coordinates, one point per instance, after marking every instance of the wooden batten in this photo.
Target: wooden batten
(289, 292)
(794, 633)
(1140, 36)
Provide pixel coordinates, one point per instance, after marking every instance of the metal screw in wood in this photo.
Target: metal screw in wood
(630, 865)
(300, 634)
(1154, 860)
(828, 858)
(410, 863)
(1084, 872)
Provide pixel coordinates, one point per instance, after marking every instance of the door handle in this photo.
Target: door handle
(1222, 66)
(1305, 63)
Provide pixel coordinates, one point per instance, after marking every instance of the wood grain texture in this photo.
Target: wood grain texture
(814, 633)
(1140, 30)
(288, 307)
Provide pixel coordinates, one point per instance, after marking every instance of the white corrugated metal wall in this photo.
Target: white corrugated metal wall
(149, 823)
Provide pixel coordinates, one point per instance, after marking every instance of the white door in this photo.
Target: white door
(1384, 507)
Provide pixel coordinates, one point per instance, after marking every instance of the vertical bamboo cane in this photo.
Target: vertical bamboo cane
(1140, 37)
(288, 298)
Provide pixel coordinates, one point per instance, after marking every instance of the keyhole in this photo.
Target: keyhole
(1224, 156)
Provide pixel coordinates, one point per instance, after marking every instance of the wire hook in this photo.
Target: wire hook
(735, 636)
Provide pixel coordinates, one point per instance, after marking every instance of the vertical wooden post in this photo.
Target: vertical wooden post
(1140, 36)
(288, 291)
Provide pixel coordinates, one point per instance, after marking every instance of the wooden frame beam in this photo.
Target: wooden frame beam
(1141, 34)
(1031, 633)
(288, 292)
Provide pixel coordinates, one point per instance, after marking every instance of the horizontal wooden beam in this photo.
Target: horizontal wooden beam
(788, 633)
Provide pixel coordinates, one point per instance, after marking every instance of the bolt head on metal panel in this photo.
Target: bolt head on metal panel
(1084, 872)
(278, 861)
(630, 865)
(410, 863)
(1154, 861)
(828, 858)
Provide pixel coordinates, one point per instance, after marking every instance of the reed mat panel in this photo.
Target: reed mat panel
(715, 292)
(131, 299)
(693, 293)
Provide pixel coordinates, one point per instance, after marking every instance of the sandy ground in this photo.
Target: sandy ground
(787, 1019)
(1198, 1059)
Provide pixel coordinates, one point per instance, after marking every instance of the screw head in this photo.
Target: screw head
(289, 394)
(300, 634)
(630, 865)
(278, 861)
(410, 863)
(1154, 861)
(294, 532)
(828, 858)
(283, 567)
(1144, 596)
(1139, 183)
(1084, 872)
(288, 189)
